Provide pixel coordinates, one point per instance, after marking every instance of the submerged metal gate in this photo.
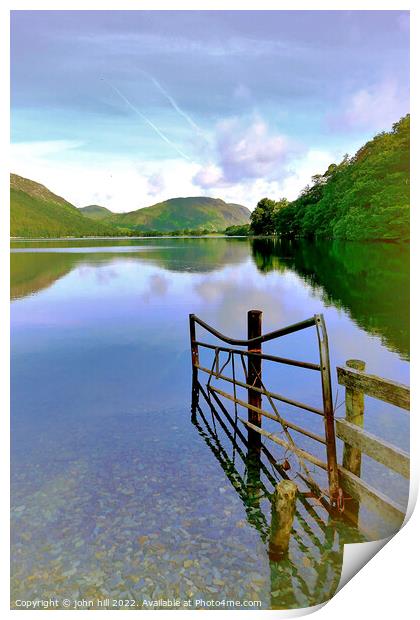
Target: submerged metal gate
(250, 363)
(313, 527)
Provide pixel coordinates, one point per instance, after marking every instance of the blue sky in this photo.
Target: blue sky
(127, 108)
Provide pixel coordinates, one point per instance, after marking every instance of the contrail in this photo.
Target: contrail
(174, 104)
(146, 120)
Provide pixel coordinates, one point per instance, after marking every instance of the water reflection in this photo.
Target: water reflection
(37, 265)
(369, 280)
(114, 490)
(311, 572)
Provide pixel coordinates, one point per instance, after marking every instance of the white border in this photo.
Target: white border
(387, 586)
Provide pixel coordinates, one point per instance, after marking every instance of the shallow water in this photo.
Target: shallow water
(116, 491)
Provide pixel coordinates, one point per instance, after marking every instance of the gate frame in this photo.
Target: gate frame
(254, 351)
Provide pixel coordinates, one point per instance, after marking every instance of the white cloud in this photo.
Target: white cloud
(253, 163)
(303, 168)
(374, 108)
(117, 183)
(126, 185)
(245, 151)
(209, 176)
(156, 184)
(292, 179)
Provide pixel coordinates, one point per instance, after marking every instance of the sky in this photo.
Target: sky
(128, 108)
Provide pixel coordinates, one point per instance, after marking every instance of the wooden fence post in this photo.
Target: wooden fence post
(283, 508)
(254, 378)
(352, 457)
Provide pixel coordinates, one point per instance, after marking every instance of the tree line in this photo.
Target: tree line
(362, 197)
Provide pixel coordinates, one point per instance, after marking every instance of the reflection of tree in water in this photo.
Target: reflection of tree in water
(369, 280)
(311, 573)
(34, 271)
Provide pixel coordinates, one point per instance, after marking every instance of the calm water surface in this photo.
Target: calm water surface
(116, 491)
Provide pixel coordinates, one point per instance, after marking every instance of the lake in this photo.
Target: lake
(117, 491)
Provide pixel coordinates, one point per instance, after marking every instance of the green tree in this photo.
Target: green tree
(363, 197)
(262, 218)
(242, 230)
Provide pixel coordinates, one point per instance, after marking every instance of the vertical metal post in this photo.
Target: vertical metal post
(328, 409)
(195, 362)
(352, 457)
(254, 377)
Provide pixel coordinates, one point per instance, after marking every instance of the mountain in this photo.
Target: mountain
(192, 213)
(95, 212)
(37, 212)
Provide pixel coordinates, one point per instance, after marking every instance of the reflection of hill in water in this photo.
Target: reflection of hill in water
(369, 280)
(30, 273)
(34, 271)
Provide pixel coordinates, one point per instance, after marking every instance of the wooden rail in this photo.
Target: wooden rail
(347, 489)
(389, 391)
(358, 441)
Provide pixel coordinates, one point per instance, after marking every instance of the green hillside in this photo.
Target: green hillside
(363, 197)
(95, 212)
(196, 213)
(37, 212)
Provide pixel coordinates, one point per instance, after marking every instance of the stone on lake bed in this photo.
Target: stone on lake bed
(142, 539)
(70, 572)
(115, 581)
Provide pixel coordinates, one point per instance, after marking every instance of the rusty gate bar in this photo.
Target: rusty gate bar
(223, 459)
(238, 432)
(263, 338)
(263, 356)
(266, 414)
(195, 362)
(271, 459)
(267, 393)
(256, 389)
(254, 377)
(281, 442)
(272, 480)
(194, 347)
(328, 409)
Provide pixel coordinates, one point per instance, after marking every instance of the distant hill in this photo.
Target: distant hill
(95, 212)
(37, 212)
(192, 213)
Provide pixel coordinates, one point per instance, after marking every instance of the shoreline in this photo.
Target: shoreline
(168, 236)
(210, 236)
